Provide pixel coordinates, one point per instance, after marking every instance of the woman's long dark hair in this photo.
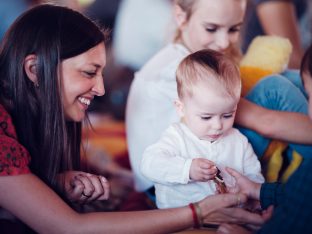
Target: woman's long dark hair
(52, 33)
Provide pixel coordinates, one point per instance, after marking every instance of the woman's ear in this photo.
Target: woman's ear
(30, 67)
(180, 15)
(179, 107)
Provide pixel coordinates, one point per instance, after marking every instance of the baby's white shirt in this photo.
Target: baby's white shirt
(167, 163)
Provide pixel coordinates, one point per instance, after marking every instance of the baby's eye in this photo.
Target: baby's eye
(228, 116)
(211, 30)
(205, 117)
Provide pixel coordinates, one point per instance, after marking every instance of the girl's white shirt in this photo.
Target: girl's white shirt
(150, 109)
(168, 163)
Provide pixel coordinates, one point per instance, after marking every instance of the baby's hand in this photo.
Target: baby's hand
(202, 169)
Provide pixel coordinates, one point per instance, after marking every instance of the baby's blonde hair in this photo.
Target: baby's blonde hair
(199, 66)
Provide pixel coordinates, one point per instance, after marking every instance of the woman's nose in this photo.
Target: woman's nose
(223, 41)
(98, 87)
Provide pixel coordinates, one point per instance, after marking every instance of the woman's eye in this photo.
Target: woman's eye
(234, 30)
(89, 74)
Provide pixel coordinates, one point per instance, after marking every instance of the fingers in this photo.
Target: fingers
(208, 174)
(233, 172)
(88, 187)
(267, 214)
(207, 169)
(206, 164)
(202, 170)
(77, 187)
(96, 187)
(232, 228)
(106, 187)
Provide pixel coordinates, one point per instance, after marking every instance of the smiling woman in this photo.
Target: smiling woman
(82, 80)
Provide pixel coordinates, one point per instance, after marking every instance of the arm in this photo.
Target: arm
(161, 163)
(169, 162)
(252, 167)
(279, 18)
(38, 206)
(287, 126)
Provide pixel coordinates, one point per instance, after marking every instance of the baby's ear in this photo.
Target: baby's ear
(179, 107)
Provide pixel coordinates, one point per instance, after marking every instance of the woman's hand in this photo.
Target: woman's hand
(247, 227)
(83, 187)
(232, 229)
(244, 185)
(225, 208)
(222, 208)
(202, 169)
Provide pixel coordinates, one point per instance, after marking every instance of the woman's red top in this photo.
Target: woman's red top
(14, 158)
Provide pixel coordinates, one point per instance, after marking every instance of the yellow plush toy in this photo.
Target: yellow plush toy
(265, 55)
(268, 55)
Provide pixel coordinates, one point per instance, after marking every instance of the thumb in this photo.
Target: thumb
(233, 172)
(267, 214)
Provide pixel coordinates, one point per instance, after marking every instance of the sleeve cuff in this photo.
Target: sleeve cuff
(186, 171)
(268, 194)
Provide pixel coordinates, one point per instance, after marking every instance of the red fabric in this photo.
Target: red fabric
(14, 158)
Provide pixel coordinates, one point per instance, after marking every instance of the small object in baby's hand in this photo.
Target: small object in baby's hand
(220, 184)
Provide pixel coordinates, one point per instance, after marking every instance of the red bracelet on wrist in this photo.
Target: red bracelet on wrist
(195, 216)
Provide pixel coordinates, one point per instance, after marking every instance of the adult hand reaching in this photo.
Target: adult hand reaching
(244, 185)
(255, 221)
(225, 208)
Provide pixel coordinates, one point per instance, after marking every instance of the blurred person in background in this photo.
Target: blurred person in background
(286, 18)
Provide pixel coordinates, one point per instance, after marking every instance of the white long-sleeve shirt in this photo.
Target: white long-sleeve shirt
(168, 162)
(150, 109)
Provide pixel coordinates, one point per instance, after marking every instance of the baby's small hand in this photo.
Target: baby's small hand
(202, 169)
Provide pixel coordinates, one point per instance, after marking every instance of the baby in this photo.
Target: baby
(184, 164)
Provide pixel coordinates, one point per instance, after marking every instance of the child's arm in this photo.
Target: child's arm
(251, 164)
(162, 162)
(169, 162)
(163, 166)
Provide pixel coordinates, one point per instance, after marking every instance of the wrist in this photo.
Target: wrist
(196, 214)
(256, 191)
